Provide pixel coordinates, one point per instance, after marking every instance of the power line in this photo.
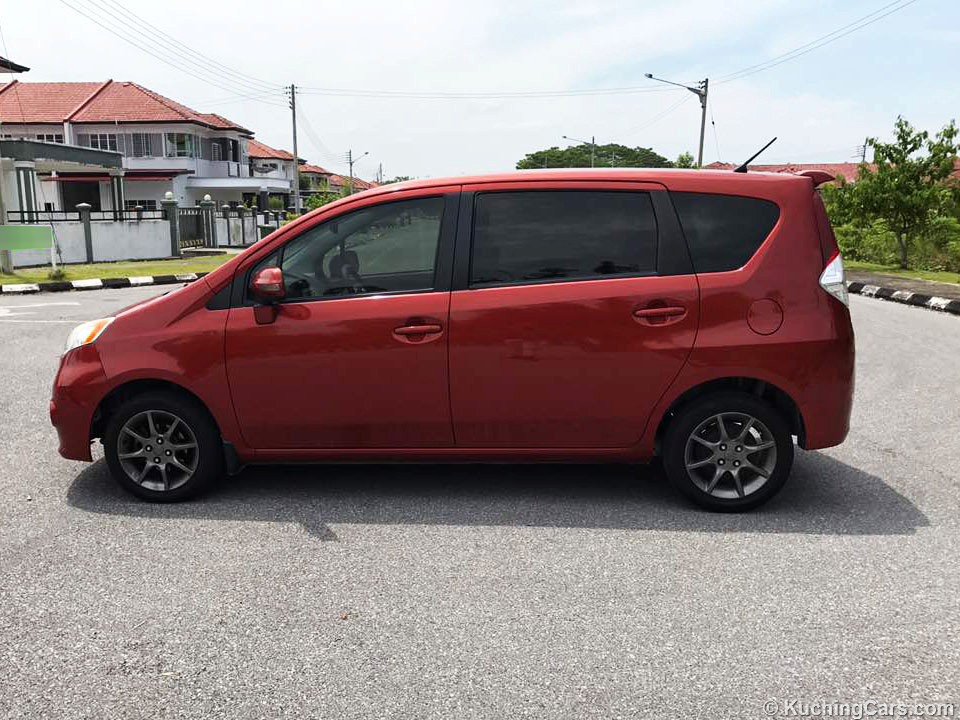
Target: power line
(716, 140)
(426, 95)
(243, 77)
(820, 42)
(659, 116)
(318, 144)
(218, 80)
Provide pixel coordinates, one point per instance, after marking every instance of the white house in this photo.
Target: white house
(165, 146)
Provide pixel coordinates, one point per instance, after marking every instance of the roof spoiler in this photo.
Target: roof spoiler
(819, 177)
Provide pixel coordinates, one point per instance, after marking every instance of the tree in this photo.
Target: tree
(911, 184)
(684, 160)
(398, 178)
(322, 198)
(610, 155)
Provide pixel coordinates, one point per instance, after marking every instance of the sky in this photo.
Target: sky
(820, 105)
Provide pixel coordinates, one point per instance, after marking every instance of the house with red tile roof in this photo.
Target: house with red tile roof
(165, 145)
(319, 179)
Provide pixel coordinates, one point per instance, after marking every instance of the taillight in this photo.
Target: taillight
(832, 279)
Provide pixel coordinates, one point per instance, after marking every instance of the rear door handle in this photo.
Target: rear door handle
(657, 316)
(407, 330)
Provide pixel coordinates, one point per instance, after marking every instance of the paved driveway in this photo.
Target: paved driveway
(493, 592)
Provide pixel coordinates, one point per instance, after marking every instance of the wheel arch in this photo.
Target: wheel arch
(776, 396)
(123, 392)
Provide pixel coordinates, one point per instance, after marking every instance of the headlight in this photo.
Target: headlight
(86, 333)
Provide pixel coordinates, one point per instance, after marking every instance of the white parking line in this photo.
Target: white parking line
(11, 310)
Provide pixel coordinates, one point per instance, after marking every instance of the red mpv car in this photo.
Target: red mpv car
(568, 315)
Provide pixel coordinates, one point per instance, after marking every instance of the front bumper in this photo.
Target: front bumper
(77, 391)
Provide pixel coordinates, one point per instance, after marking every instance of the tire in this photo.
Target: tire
(728, 475)
(175, 460)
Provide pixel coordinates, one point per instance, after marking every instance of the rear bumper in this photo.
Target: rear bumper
(77, 390)
(828, 401)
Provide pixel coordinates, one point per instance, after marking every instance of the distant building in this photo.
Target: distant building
(165, 146)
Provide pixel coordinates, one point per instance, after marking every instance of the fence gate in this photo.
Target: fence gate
(196, 227)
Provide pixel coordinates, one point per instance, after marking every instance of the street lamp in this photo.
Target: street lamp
(591, 142)
(701, 92)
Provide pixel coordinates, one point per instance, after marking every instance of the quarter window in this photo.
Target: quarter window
(562, 234)
(723, 231)
(382, 248)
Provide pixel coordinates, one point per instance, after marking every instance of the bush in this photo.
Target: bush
(874, 243)
(939, 246)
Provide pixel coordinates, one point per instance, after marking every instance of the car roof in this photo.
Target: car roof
(716, 179)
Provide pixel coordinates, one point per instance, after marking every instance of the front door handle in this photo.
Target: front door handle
(417, 331)
(657, 316)
(408, 330)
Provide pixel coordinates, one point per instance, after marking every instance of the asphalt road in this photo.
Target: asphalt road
(493, 592)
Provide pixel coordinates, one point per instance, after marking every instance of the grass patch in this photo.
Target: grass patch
(118, 269)
(937, 275)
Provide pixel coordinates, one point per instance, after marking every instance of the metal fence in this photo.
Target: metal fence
(52, 216)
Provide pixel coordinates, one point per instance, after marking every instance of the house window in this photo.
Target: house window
(216, 150)
(103, 141)
(50, 137)
(145, 204)
(140, 145)
(180, 145)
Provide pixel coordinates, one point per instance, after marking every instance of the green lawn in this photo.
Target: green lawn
(119, 269)
(938, 275)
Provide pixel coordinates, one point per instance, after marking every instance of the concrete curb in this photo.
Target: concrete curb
(906, 297)
(99, 283)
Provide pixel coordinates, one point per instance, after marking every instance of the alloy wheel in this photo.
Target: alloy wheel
(730, 455)
(158, 450)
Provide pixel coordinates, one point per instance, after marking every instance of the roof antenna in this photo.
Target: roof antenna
(743, 167)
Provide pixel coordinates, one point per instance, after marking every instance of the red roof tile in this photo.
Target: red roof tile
(308, 169)
(42, 102)
(257, 149)
(98, 103)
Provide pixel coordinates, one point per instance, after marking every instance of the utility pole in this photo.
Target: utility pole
(380, 174)
(702, 86)
(593, 147)
(350, 162)
(866, 141)
(701, 92)
(296, 156)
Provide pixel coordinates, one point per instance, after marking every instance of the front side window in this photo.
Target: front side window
(381, 248)
(534, 236)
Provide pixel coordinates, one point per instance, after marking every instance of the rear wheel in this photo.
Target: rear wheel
(728, 452)
(163, 447)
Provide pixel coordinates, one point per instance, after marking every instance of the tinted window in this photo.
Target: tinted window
(381, 248)
(524, 236)
(723, 231)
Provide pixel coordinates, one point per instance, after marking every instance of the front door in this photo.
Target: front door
(357, 354)
(572, 318)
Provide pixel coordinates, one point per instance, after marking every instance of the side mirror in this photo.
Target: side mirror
(267, 285)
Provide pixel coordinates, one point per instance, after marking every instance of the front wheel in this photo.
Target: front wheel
(163, 447)
(728, 452)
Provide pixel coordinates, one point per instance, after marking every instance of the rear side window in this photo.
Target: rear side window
(559, 234)
(723, 231)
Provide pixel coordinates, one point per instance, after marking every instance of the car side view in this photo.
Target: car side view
(557, 315)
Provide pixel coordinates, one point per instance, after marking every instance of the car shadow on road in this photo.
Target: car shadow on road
(823, 496)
